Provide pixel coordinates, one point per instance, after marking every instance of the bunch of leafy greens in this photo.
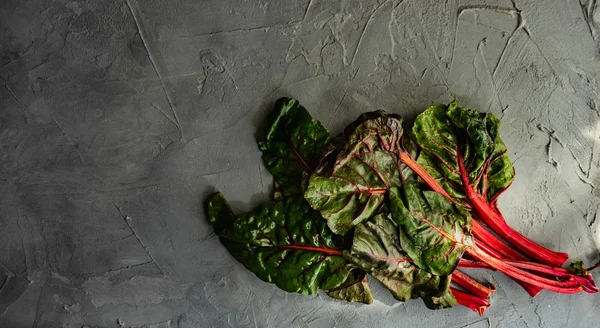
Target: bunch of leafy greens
(408, 210)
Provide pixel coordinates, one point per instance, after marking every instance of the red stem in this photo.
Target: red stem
(487, 248)
(498, 249)
(566, 287)
(496, 222)
(492, 217)
(313, 249)
(372, 192)
(472, 285)
(593, 267)
(473, 302)
(587, 283)
(488, 214)
(469, 264)
(541, 268)
(420, 171)
(494, 242)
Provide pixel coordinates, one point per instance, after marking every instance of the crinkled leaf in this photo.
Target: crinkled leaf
(374, 131)
(351, 190)
(443, 300)
(433, 232)
(293, 144)
(285, 243)
(450, 136)
(354, 289)
(376, 249)
(354, 191)
(379, 130)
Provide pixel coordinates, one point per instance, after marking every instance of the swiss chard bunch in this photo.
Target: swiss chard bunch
(407, 209)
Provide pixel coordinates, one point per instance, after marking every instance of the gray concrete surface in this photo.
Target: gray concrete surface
(119, 117)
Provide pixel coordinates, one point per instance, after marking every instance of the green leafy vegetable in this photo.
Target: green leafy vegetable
(462, 152)
(354, 289)
(376, 249)
(363, 171)
(288, 244)
(433, 232)
(367, 210)
(293, 144)
(355, 190)
(374, 131)
(451, 136)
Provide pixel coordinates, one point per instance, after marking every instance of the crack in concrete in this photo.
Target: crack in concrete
(126, 219)
(131, 4)
(67, 136)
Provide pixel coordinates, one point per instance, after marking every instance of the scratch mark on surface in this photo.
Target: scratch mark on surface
(207, 237)
(461, 9)
(520, 25)
(540, 321)
(362, 34)
(14, 302)
(126, 219)
(37, 309)
(307, 8)
(335, 322)
(135, 14)
(305, 80)
(8, 273)
(453, 44)
(22, 106)
(4, 283)
(100, 191)
(593, 162)
(230, 76)
(588, 14)
(11, 62)
(239, 30)
(582, 178)
(67, 136)
(289, 63)
(156, 107)
(492, 81)
(476, 322)
(189, 187)
(550, 132)
(254, 315)
(336, 108)
(528, 33)
(520, 314)
(128, 267)
(262, 183)
(593, 220)
(433, 51)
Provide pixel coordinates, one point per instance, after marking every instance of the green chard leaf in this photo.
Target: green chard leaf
(219, 212)
(354, 189)
(452, 137)
(443, 300)
(292, 145)
(354, 289)
(376, 249)
(374, 131)
(288, 244)
(433, 232)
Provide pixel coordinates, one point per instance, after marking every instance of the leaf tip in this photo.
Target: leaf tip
(219, 211)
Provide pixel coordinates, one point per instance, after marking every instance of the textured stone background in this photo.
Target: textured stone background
(119, 117)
